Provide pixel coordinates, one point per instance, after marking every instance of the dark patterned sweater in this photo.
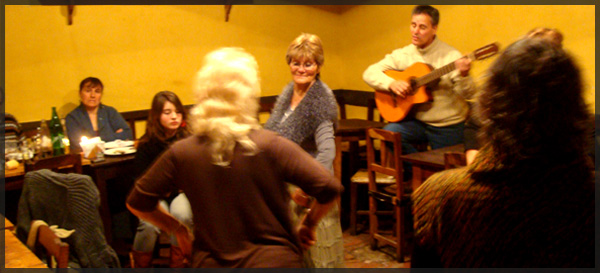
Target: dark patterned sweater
(485, 215)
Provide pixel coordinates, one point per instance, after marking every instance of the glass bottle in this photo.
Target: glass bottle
(65, 138)
(28, 150)
(56, 134)
(44, 139)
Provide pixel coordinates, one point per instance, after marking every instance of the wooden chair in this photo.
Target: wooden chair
(388, 164)
(361, 178)
(57, 251)
(63, 164)
(454, 160)
(352, 145)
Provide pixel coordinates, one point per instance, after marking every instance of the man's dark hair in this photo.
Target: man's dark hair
(429, 10)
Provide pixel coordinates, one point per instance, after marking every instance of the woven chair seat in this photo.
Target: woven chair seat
(362, 177)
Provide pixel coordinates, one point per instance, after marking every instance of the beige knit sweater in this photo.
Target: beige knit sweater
(448, 106)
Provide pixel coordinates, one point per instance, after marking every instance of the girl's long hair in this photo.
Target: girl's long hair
(154, 130)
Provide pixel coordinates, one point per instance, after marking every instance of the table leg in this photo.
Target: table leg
(104, 208)
(353, 159)
(417, 174)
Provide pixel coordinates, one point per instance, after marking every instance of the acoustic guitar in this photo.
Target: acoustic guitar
(420, 75)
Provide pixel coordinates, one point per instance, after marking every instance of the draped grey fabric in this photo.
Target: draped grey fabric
(318, 105)
(70, 201)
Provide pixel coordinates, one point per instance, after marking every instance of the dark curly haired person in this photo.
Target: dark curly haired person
(528, 198)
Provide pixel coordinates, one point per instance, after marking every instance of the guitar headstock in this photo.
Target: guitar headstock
(485, 51)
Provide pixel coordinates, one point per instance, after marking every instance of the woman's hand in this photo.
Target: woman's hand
(301, 198)
(185, 237)
(307, 234)
(165, 221)
(307, 229)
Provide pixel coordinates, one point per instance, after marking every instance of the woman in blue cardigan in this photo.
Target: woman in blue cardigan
(92, 118)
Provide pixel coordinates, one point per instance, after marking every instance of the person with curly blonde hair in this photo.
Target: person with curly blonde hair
(233, 173)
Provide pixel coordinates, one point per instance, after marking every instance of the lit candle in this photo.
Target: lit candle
(87, 146)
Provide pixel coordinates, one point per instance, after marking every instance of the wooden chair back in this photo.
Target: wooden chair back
(63, 163)
(454, 160)
(371, 107)
(388, 164)
(56, 250)
(390, 146)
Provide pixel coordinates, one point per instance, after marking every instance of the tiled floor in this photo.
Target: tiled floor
(358, 253)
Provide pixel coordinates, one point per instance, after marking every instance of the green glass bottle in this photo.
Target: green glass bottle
(57, 134)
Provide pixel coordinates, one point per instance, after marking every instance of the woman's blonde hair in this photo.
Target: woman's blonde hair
(308, 46)
(226, 92)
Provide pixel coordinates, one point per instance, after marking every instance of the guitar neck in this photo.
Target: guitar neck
(435, 74)
(438, 73)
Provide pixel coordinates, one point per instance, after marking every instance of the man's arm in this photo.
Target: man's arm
(378, 80)
(463, 82)
(374, 75)
(118, 123)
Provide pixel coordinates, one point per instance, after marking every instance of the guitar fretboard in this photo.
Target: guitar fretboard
(435, 74)
(438, 73)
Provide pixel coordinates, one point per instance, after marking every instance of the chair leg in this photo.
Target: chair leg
(353, 207)
(373, 222)
(400, 233)
(399, 241)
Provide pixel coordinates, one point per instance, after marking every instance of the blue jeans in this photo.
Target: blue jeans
(147, 234)
(414, 131)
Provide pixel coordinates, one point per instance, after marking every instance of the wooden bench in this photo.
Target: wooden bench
(131, 117)
(344, 97)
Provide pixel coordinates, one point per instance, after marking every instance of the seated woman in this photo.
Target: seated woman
(92, 118)
(166, 124)
(236, 173)
(472, 124)
(528, 198)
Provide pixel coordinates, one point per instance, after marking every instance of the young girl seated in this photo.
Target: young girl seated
(166, 124)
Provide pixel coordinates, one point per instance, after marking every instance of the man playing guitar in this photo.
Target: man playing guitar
(440, 121)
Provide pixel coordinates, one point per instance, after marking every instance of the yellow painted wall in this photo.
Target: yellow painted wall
(139, 50)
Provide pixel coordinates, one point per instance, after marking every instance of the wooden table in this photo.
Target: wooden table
(426, 163)
(13, 179)
(352, 131)
(101, 172)
(8, 225)
(17, 255)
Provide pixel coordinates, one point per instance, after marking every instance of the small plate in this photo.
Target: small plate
(118, 144)
(119, 151)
